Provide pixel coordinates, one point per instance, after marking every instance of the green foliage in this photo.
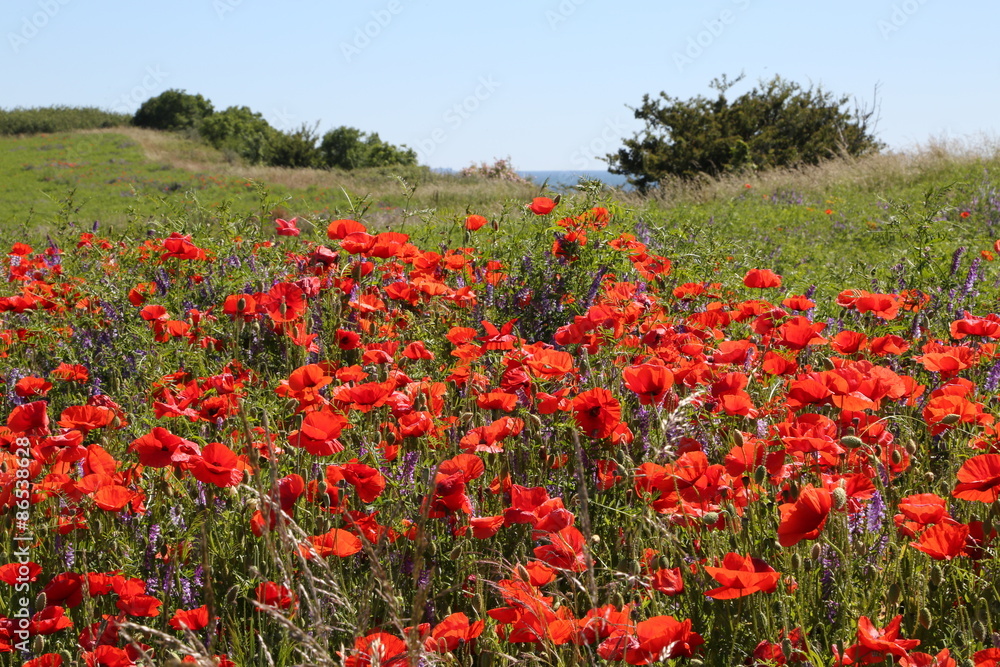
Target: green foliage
(294, 149)
(58, 119)
(778, 123)
(173, 110)
(350, 148)
(241, 131)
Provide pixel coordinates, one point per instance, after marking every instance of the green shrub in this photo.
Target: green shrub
(777, 123)
(58, 119)
(242, 131)
(173, 110)
(295, 149)
(350, 148)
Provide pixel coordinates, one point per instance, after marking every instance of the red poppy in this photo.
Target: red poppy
(285, 302)
(286, 227)
(274, 595)
(217, 465)
(649, 381)
(885, 640)
(192, 619)
(49, 620)
(740, 576)
(475, 222)
(30, 387)
(542, 205)
(378, 648)
(943, 541)
(597, 412)
(336, 542)
(339, 229)
(453, 631)
(761, 279)
(667, 581)
(979, 479)
(804, 519)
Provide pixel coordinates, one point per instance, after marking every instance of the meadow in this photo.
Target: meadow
(278, 418)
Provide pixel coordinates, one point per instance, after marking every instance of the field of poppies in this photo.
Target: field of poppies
(558, 432)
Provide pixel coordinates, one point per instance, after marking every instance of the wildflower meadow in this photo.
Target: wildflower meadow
(576, 430)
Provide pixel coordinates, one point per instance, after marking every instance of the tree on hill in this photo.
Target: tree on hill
(173, 110)
(778, 123)
(350, 148)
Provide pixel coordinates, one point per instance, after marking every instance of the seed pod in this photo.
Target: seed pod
(895, 592)
(925, 619)
(760, 474)
(950, 419)
(817, 551)
(839, 498)
(851, 441)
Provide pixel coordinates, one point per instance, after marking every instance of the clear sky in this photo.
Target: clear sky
(546, 82)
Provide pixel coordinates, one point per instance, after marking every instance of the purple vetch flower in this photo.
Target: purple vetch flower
(992, 379)
(409, 466)
(875, 513)
(162, 281)
(972, 278)
(830, 564)
(956, 259)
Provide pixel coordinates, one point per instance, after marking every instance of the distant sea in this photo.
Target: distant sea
(571, 178)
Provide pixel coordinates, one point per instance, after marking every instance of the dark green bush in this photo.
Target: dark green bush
(173, 110)
(241, 131)
(58, 119)
(777, 123)
(295, 149)
(350, 148)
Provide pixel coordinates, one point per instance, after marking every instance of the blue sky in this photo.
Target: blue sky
(546, 82)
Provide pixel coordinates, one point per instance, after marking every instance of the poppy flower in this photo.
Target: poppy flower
(286, 227)
(217, 465)
(761, 279)
(30, 387)
(542, 205)
(49, 620)
(284, 302)
(804, 519)
(979, 479)
(475, 222)
(336, 542)
(741, 576)
(943, 541)
(667, 581)
(274, 595)
(192, 619)
(649, 381)
(378, 648)
(453, 631)
(339, 229)
(597, 412)
(885, 640)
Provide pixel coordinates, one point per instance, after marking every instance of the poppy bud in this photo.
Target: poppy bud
(925, 619)
(710, 518)
(41, 601)
(738, 437)
(982, 609)
(895, 592)
(816, 552)
(928, 477)
(851, 441)
(632, 567)
(695, 662)
(937, 576)
(979, 631)
(897, 457)
(535, 419)
(950, 419)
(786, 647)
(839, 498)
(241, 304)
(850, 430)
(796, 561)
(911, 447)
(760, 474)
(828, 364)
(486, 658)
(878, 450)
(522, 572)
(38, 644)
(432, 548)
